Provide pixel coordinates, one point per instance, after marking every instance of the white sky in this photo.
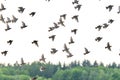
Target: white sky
(91, 14)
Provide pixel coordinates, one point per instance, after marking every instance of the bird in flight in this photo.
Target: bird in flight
(8, 27)
(98, 39)
(53, 50)
(51, 29)
(75, 17)
(2, 7)
(74, 31)
(52, 37)
(65, 48)
(43, 58)
(23, 25)
(8, 20)
(78, 6)
(75, 2)
(61, 22)
(98, 27)
(69, 55)
(14, 20)
(109, 7)
(118, 9)
(32, 14)
(105, 25)
(10, 42)
(86, 51)
(71, 41)
(2, 19)
(55, 25)
(110, 21)
(4, 52)
(35, 42)
(21, 9)
(108, 46)
(63, 16)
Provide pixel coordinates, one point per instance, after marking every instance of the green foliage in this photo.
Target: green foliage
(74, 71)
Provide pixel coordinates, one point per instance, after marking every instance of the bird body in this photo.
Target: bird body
(10, 42)
(53, 51)
(23, 25)
(75, 17)
(109, 7)
(52, 37)
(8, 28)
(108, 46)
(14, 20)
(35, 42)
(43, 58)
(98, 39)
(86, 51)
(2, 19)
(71, 41)
(21, 9)
(4, 52)
(32, 14)
(78, 7)
(2, 7)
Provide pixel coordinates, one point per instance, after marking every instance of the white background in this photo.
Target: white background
(91, 14)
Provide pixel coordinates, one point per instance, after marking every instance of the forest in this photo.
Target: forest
(76, 70)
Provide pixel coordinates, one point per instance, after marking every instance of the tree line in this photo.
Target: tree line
(73, 71)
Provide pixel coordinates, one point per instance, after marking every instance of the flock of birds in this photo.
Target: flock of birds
(56, 25)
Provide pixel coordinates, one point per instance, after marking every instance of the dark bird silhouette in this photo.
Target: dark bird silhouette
(2, 7)
(53, 50)
(70, 55)
(110, 21)
(8, 20)
(34, 78)
(98, 27)
(35, 42)
(118, 9)
(32, 14)
(8, 27)
(65, 48)
(75, 17)
(43, 58)
(51, 29)
(105, 25)
(52, 37)
(63, 16)
(2, 19)
(86, 51)
(23, 25)
(71, 41)
(61, 22)
(21, 9)
(74, 31)
(10, 42)
(75, 2)
(78, 6)
(4, 52)
(98, 39)
(14, 19)
(108, 46)
(109, 7)
(55, 25)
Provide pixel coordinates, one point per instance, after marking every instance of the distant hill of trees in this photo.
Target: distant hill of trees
(74, 71)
